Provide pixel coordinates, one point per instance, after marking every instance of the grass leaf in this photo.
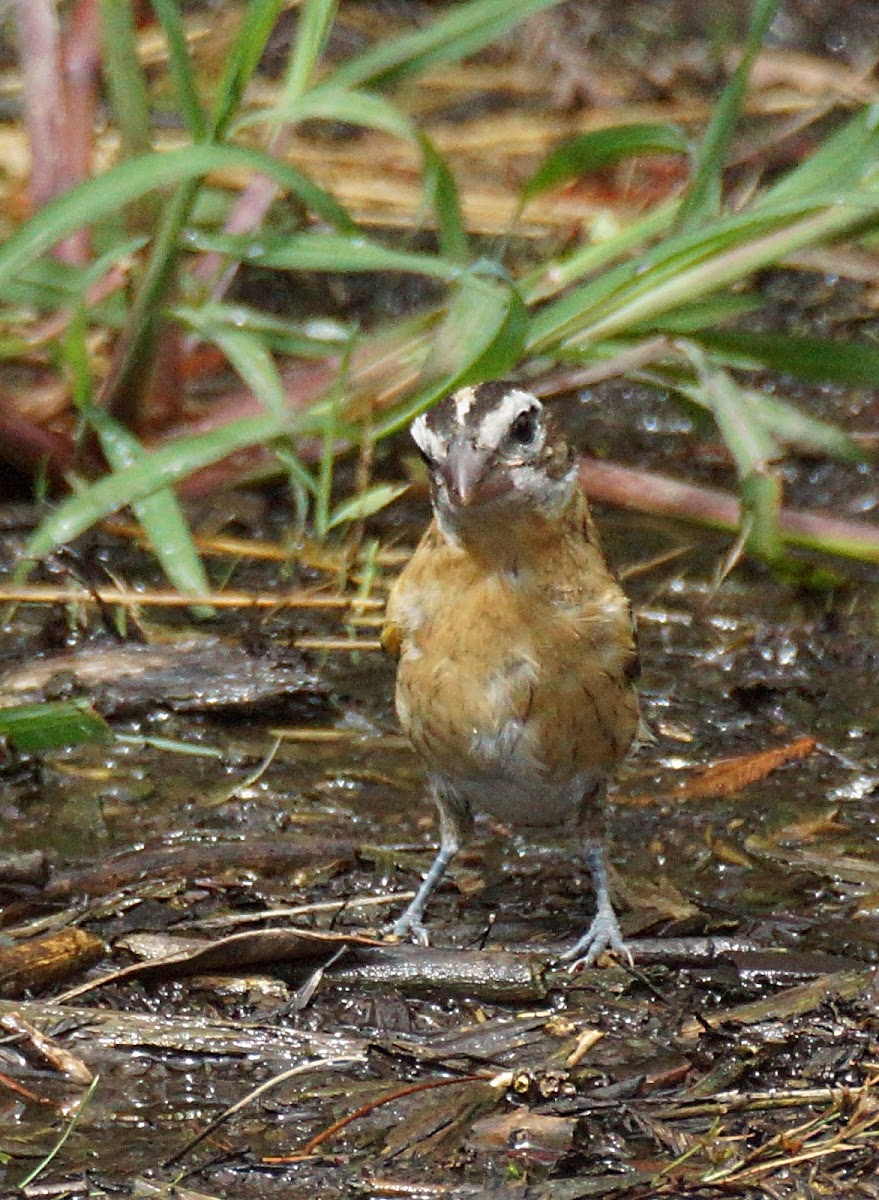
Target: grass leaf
(315, 21)
(316, 338)
(254, 363)
(325, 252)
(588, 152)
(441, 193)
(353, 106)
(694, 319)
(467, 27)
(155, 470)
(792, 427)
(694, 264)
(106, 194)
(703, 197)
(160, 514)
(366, 503)
(34, 727)
(126, 81)
(818, 360)
(242, 60)
(750, 443)
(761, 510)
(480, 338)
(180, 68)
(841, 160)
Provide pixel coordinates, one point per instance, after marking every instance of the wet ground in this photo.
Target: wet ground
(737, 1058)
(482, 1070)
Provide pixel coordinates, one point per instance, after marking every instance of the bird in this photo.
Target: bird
(516, 647)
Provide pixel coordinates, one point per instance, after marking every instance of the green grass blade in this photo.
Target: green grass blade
(754, 451)
(693, 264)
(299, 473)
(761, 495)
(703, 197)
(52, 1154)
(554, 276)
(791, 427)
(481, 338)
(483, 329)
(353, 106)
(31, 728)
(242, 60)
(588, 152)
(126, 81)
(123, 389)
(180, 67)
(841, 160)
(318, 338)
(326, 467)
(315, 21)
(157, 469)
(817, 360)
(325, 252)
(99, 197)
(694, 319)
(253, 362)
(466, 28)
(756, 425)
(441, 194)
(75, 356)
(366, 503)
(751, 445)
(160, 515)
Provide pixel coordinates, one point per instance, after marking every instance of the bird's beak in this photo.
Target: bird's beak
(465, 467)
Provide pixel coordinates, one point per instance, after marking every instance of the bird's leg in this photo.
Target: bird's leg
(604, 933)
(455, 823)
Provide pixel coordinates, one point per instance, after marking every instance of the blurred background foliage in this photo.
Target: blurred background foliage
(180, 159)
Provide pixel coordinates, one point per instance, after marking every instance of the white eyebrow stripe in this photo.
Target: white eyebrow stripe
(427, 439)
(497, 423)
(465, 398)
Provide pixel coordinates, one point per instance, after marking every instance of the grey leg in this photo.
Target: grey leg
(455, 822)
(604, 933)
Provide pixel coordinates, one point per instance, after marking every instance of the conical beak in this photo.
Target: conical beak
(465, 467)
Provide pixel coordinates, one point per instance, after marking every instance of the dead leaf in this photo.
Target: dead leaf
(791, 1002)
(728, 776)
(45, 1051)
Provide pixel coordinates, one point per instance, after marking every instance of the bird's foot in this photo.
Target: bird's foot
(603, 934)
(408, 926)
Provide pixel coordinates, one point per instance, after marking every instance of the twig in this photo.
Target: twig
(132, 598)
(343, 645)
(232, 920)
(366, 1109)
(314, 1064)
(332, 736)
(318, 555)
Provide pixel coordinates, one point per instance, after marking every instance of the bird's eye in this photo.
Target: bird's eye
(524, 428)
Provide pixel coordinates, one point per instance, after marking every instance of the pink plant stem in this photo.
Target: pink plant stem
(247, 213)
(28, 447)
(82, 63)
(657, 495)
(39, 36)
(53, 326)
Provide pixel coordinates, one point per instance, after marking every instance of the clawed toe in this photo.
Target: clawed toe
(603, 934)
(407, 929)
